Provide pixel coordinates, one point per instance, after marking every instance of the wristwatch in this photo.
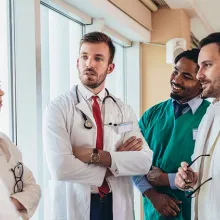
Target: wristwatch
(95, 157)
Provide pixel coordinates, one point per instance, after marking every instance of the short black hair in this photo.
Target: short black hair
(99, 37)
(212, 38)
(189, 54)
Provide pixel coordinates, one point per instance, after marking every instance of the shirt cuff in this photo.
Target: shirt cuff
(113, 167)
(171, 177)
(141, 183)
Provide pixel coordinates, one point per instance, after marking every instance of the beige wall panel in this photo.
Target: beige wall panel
(185, 28)
(135, 9)
(169, 24)
(156, 76)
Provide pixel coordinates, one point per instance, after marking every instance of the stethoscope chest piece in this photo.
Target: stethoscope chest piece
(88, 124)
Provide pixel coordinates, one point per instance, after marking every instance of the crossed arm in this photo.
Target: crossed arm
(70, 163)
(84, 154)
(26, 201)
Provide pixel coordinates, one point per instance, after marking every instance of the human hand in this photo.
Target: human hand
(17, 204)
(156, 177)
(82, 153)
(164, 204)
(185, 176)
(132, 144)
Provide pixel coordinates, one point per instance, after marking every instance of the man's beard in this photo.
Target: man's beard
(175, 96)
(213, 91)
(93, 84)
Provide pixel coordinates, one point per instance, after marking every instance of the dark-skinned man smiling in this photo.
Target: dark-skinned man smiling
(170, 130)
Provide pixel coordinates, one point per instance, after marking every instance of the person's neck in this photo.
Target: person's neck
(97, 90)
(183, 101)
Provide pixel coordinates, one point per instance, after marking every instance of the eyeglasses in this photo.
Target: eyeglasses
(18, 171)
(190, 191)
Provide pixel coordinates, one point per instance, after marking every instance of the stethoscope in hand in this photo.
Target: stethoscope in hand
(88, 124)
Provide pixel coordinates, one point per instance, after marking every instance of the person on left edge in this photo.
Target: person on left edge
(170, 129)
(18, 179)
(93, 144)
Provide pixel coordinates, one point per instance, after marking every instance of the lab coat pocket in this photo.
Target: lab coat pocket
(112, 140)
(58, 200)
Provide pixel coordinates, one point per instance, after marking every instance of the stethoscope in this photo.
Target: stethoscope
(87, 123)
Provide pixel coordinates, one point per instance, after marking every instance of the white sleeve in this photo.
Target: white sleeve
(63, 165)
(30, 196)
(7, 210)
(132, 163)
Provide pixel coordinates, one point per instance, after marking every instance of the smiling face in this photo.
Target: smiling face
(184, 85)
(209, 72)
(93, 65)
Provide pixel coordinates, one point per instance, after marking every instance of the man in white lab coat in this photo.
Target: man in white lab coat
(201, 180)
(92, 142)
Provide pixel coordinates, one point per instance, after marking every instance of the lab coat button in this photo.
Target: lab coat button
(86, 207)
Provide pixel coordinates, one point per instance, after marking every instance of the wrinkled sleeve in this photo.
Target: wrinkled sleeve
(141, 183)
(63, 165)
(30, 196)
(131, 163)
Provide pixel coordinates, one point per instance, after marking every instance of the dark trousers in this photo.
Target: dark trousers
(101, 208)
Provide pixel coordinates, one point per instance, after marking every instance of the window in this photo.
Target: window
(60, 38)
(5, 77)
(60, 47)
(115, 82)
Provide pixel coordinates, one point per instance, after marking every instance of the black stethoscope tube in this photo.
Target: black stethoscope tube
(87, 123)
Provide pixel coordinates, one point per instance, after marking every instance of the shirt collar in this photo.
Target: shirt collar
(193, 103)
(87, 94)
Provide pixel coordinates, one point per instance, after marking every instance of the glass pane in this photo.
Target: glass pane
(60, 48)
(60, 39)
(5, 115)
(115, 81)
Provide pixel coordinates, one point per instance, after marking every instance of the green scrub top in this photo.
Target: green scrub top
(172, 142)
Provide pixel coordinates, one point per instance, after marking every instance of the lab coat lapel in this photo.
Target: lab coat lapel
(83, 106)
(216, 131)
(203, 134)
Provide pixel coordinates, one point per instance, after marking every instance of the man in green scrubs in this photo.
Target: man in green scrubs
(170, 129)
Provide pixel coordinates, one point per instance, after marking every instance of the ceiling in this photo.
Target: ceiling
(204, 15)
(210, 10)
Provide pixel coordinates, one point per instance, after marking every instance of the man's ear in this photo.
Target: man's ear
(110, 68)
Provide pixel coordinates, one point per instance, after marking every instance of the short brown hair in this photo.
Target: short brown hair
(212, 38)
(99, 37)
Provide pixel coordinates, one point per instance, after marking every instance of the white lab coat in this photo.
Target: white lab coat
(9, 157)
(208, 205)
(71, 179)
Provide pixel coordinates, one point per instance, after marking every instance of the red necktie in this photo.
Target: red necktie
(104, 188)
